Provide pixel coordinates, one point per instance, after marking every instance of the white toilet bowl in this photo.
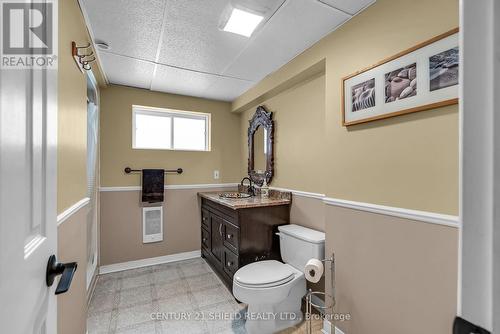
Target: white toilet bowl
(273, 292)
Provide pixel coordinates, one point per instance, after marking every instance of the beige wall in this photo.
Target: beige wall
(72, 115)
(308, 212)
(412, 158)
(298, 115)
(116, 140)
(121, 227)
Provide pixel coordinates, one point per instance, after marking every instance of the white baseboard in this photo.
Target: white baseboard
(327, 328)
(111, 268)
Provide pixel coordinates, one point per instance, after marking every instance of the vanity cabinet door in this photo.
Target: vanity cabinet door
(217, 237)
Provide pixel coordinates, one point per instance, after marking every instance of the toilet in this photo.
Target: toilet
(273, 290)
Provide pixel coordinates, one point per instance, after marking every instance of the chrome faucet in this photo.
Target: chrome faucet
(251, 188)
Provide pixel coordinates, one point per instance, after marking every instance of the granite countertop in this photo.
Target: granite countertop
(275, 198)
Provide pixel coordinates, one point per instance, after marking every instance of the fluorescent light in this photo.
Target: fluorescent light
(242, 23)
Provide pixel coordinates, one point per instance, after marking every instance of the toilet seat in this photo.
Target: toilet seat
(265, 274)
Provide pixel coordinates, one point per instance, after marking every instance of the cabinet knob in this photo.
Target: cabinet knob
(229, 263)
(204, 239)
(229, 236)
(204, 218)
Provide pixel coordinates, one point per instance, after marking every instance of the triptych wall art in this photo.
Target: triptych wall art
(420, 78)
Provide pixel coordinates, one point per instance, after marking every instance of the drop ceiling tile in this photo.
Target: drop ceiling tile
(227, 89)
(127, 71)
(180, 81)
(130, 27)
(192, 38)
(196, 57)
(349, 6)
(297, 25)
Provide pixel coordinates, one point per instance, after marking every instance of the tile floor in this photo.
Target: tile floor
(128, 302)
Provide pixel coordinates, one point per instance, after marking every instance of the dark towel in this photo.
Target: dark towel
(152, 185)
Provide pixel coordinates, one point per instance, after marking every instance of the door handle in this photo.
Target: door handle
(220, 229)
(462, 326)
(67, 270)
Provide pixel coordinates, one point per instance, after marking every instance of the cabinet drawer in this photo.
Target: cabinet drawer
(221, 211)
(205, 218)
(230, 262)
(231, 237)
(205, 238)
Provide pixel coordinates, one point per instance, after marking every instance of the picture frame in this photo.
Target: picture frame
(422, 77)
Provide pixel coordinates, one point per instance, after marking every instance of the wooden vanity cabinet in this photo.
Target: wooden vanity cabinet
(232, 238)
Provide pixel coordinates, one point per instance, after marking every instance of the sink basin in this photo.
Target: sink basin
(234, 195)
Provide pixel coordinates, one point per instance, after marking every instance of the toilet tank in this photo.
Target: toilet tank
(298, 244)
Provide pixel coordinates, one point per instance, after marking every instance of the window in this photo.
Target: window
(166, 129)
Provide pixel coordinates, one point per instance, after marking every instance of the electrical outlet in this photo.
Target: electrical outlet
(216, 174)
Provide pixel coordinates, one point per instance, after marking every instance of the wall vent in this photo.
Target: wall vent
(152, 224)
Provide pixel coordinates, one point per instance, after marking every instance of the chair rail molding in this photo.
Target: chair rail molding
(301, 193)
(63, 216)
(173, 187)
(421, 216)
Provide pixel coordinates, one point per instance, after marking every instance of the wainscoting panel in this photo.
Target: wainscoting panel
(121, 224)
(393, 275)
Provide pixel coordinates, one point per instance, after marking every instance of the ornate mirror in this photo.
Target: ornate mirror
(260, 146)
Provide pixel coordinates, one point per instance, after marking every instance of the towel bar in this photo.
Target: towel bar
(129, 170)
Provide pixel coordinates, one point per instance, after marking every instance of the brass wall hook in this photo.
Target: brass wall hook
(83, 56)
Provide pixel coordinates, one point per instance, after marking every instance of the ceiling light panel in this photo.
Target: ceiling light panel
(296, 26)
(242, 22)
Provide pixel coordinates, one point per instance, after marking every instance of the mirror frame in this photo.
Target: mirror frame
(263, 118)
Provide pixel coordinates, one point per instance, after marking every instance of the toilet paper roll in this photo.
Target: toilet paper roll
(313, 270)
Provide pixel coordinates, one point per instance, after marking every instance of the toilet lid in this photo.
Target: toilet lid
(264, 274)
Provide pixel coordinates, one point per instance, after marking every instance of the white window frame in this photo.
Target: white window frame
(172, 113)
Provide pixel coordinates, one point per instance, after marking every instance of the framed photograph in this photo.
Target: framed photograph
(420, 78)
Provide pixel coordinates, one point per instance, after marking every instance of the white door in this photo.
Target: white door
(28, 227)
(479, 284)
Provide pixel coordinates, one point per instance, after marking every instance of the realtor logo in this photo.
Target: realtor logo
(28, 34)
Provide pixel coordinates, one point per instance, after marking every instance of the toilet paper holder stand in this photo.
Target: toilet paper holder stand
(309, 296)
